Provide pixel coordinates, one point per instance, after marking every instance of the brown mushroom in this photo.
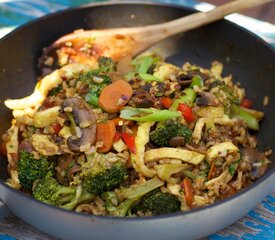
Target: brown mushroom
(177, 141)
(85, 120)
(207, 99)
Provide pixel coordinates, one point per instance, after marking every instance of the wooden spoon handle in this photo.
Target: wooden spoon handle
(155, 33)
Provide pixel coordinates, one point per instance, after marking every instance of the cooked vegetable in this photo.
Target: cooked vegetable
(115, 96)
(103, 175)
(188, 98)
(85, 121)
(158, 140)
(186, 112)
(105, 133)
(196, 81)
(166, 101)
(188, 191)
(96, 81)
(128, 197)
(166, 171)
(167, 130)
(49, 191)
(157, 203)
(143, 63)
(31, 169)
(92, 99)
(129, 140)
(241, 113)
(106, 64)
(147, 114)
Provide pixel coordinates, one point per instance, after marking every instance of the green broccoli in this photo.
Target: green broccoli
(157, 203)
(31, 169)
(120, 204)
(107, 64)
(49, 191)
(103, 176)
(96, 80)
(167, 130)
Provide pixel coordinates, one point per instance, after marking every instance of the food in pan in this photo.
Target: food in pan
(155, 140)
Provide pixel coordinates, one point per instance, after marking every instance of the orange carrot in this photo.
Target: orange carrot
(125, 122)
(166, 101)
(114, 96)
(188, 191)
(105, 133)
(116, 120)
(211, 171)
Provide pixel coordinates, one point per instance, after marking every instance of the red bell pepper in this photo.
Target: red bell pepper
(186, 112)
(56, 127)
(117, 137)
(129, 140)
(246, 103)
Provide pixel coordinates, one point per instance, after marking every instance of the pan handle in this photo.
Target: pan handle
(4, 211)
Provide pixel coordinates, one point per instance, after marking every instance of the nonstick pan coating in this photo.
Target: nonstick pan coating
(245, 56)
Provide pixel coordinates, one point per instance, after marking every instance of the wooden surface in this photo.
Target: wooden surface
(257, 224)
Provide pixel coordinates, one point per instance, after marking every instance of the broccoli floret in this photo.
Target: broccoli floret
(167, 130)
(157, 203)
(104, 177)
(225, 95)
(106, 64)
(49, 191)
(128, 197)
(96, 80)
(31, 169)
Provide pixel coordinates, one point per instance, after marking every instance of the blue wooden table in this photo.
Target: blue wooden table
(257, 224)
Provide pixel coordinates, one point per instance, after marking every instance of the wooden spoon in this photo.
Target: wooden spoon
(87, 46)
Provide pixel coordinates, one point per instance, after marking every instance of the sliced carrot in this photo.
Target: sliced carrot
(211, 171)
(114, 96)
(166, 101)
(105, 133)
(125, 122)
(116, 120)
(188, 191)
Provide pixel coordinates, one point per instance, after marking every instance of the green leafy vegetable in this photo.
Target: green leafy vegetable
(92, 99)
(196, 81)
(188, 98)
(107, 64)
(143, 63)
(250, 121)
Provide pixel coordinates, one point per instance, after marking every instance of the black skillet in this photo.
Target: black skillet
(245, 56)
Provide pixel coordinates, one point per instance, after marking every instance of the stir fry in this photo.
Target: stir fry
(155, 140)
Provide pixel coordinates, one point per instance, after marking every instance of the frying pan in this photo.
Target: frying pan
(245, 56)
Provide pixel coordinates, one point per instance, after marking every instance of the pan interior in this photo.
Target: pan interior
(249, 60)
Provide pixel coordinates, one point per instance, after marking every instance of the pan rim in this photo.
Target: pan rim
(269, 173)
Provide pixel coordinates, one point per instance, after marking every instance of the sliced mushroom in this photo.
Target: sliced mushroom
(177, 141)
(257, 160)
(85, 120)
(207, 99)
(184, 80)
(192, 73)
(26, 145)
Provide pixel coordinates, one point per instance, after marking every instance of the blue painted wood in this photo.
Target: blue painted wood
(257, 224)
